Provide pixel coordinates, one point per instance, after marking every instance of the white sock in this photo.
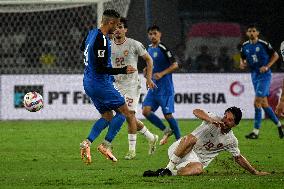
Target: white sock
(255, 131)
(132, 142)
(144, 131)
(174, 172)
(279, 124)
(173, 161)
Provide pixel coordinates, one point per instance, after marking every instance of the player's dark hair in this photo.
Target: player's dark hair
(111, 13)
(253, 25)
(153, 27)
(124, 22)
(237, 112)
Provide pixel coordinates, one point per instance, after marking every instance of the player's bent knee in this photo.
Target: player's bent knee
(191, 169)
(168, 116)
(146, 112)
(258, 102)
(107, 115)
(264, 102)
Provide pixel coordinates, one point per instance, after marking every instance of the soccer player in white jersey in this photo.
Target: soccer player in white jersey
(192, 153)
(280, 106)
(125, 51)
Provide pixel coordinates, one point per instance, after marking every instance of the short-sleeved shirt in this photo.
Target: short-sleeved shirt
(125, 54)
(257, 55)
(210, 141)
(162, 58)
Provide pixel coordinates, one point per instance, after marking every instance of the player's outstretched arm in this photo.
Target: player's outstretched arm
(101, 69)
(247, 166)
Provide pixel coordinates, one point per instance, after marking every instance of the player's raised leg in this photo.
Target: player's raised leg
(153, 139)
(85, 145)
(114, 127)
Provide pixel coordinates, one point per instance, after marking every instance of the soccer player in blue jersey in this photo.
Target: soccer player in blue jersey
(163, 95)
(259, 56)
(98, 85)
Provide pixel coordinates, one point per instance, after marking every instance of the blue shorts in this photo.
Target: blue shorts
(261, 86)
(154, 101)
(105, 97)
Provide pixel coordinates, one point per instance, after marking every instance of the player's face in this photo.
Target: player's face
(120, 31)
(252, 33)
(229, 120)
(154, 36)
(113, 24)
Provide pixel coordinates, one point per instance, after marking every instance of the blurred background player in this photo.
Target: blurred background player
(163, 95)
(194, 152)
(282, 50)
(259, 56)
(280, 106)
(125, 51)
(99, 86)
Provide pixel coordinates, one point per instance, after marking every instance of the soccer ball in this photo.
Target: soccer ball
(33, 101)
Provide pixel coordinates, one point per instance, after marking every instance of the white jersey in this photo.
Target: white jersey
(125, 54)
(129, 85)
(282, 49)
(210, 142)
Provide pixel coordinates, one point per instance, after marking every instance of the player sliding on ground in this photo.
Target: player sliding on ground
(192, 153)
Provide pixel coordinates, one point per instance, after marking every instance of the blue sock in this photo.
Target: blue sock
(257, 118)
(99, 125)
(156, 121)
(114, 126)
(174, 126)
(271, 115)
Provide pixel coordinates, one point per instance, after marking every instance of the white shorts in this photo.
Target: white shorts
(131, 96)
(188, 158)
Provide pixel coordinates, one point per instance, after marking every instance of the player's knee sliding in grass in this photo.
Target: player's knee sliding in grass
(259, 56)
(163, 95)
(192, 153)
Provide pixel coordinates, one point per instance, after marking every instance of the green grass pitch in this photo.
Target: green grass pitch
(45, 154)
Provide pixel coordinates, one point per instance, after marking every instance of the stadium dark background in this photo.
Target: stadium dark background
(48, 41)
(175, 16)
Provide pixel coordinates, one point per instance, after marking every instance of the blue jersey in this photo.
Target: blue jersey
(162, 58)
(97, 54)
(257, 55)
(97, 80)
